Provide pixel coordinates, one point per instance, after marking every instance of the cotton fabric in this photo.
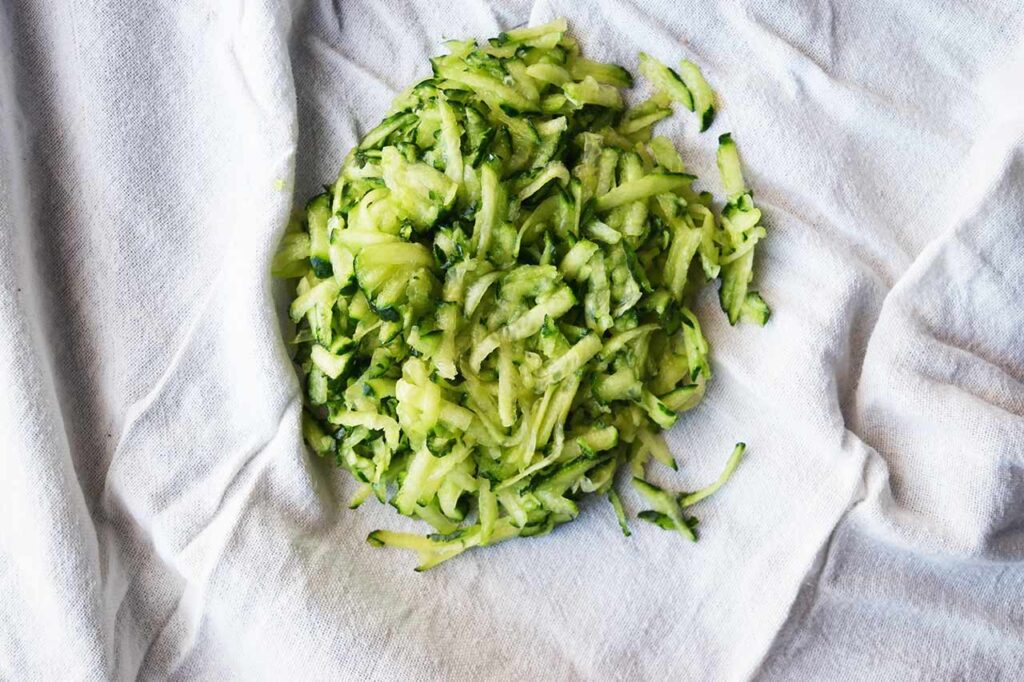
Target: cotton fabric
(160, 518)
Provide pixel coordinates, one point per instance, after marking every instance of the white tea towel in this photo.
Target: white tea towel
(160, 518)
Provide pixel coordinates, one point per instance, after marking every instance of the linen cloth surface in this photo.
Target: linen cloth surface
(160, 518)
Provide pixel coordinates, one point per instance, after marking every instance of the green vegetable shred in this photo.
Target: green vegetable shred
(492, 306)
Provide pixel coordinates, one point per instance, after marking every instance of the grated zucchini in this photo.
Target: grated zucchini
(492, 298)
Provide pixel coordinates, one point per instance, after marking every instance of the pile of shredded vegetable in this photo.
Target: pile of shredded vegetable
(491, 308)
